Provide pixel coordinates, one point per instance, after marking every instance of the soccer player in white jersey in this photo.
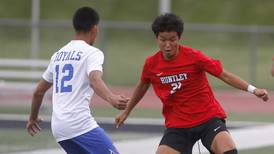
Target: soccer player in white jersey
(75, 73)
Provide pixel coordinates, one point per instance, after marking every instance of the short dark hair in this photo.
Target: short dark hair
(85, 18)
(167, 23)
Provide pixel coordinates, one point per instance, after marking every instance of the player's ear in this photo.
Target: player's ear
(93, 33)
(181, 39)
(95, 29)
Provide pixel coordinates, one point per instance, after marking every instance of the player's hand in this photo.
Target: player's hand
(119, 101)
(261, 93)
(33, 126)
(119, 120)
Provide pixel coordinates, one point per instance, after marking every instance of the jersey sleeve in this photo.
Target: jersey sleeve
(48, 74)
(145, 73)
(208, 64)
(95, 62)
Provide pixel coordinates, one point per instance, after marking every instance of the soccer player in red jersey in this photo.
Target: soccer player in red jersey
(177, 74)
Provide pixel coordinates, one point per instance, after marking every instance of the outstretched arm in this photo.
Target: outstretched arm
(239, 83)
(138, 94)
(38, 95)
(101, 89)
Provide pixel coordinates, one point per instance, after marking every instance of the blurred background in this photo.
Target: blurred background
(239, 33)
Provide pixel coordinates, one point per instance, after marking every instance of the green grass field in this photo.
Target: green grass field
(17, 140)
(199, 11)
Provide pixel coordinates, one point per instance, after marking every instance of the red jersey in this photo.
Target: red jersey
(183, 88)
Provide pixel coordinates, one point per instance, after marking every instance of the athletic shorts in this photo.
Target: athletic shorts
(93, 142)
(183, 139)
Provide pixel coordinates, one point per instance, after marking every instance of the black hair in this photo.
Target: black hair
(85, 18)
(168, 23)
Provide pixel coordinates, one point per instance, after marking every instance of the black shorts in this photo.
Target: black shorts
(183, 139)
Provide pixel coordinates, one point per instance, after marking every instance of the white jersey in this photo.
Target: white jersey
(69, 70)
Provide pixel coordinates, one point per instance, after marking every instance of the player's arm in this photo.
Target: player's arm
(38, 95)
(101, 89)
(137, 95)
(239, 83)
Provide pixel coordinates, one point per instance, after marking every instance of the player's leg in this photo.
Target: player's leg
(223, 144)
(164, 149)
(176, 141)
(217, 139)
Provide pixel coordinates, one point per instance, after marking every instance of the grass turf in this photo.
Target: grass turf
(19, 140)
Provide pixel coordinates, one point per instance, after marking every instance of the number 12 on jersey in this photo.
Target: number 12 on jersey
(65, 75)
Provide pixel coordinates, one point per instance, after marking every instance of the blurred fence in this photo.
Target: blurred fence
(244, 50)
(22, 68)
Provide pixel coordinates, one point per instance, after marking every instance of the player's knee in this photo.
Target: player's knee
(233, 151)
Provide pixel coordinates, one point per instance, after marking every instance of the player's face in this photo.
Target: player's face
(168, 43)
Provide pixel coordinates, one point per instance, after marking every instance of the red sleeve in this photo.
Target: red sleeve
(208, 64)
(145, 73)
